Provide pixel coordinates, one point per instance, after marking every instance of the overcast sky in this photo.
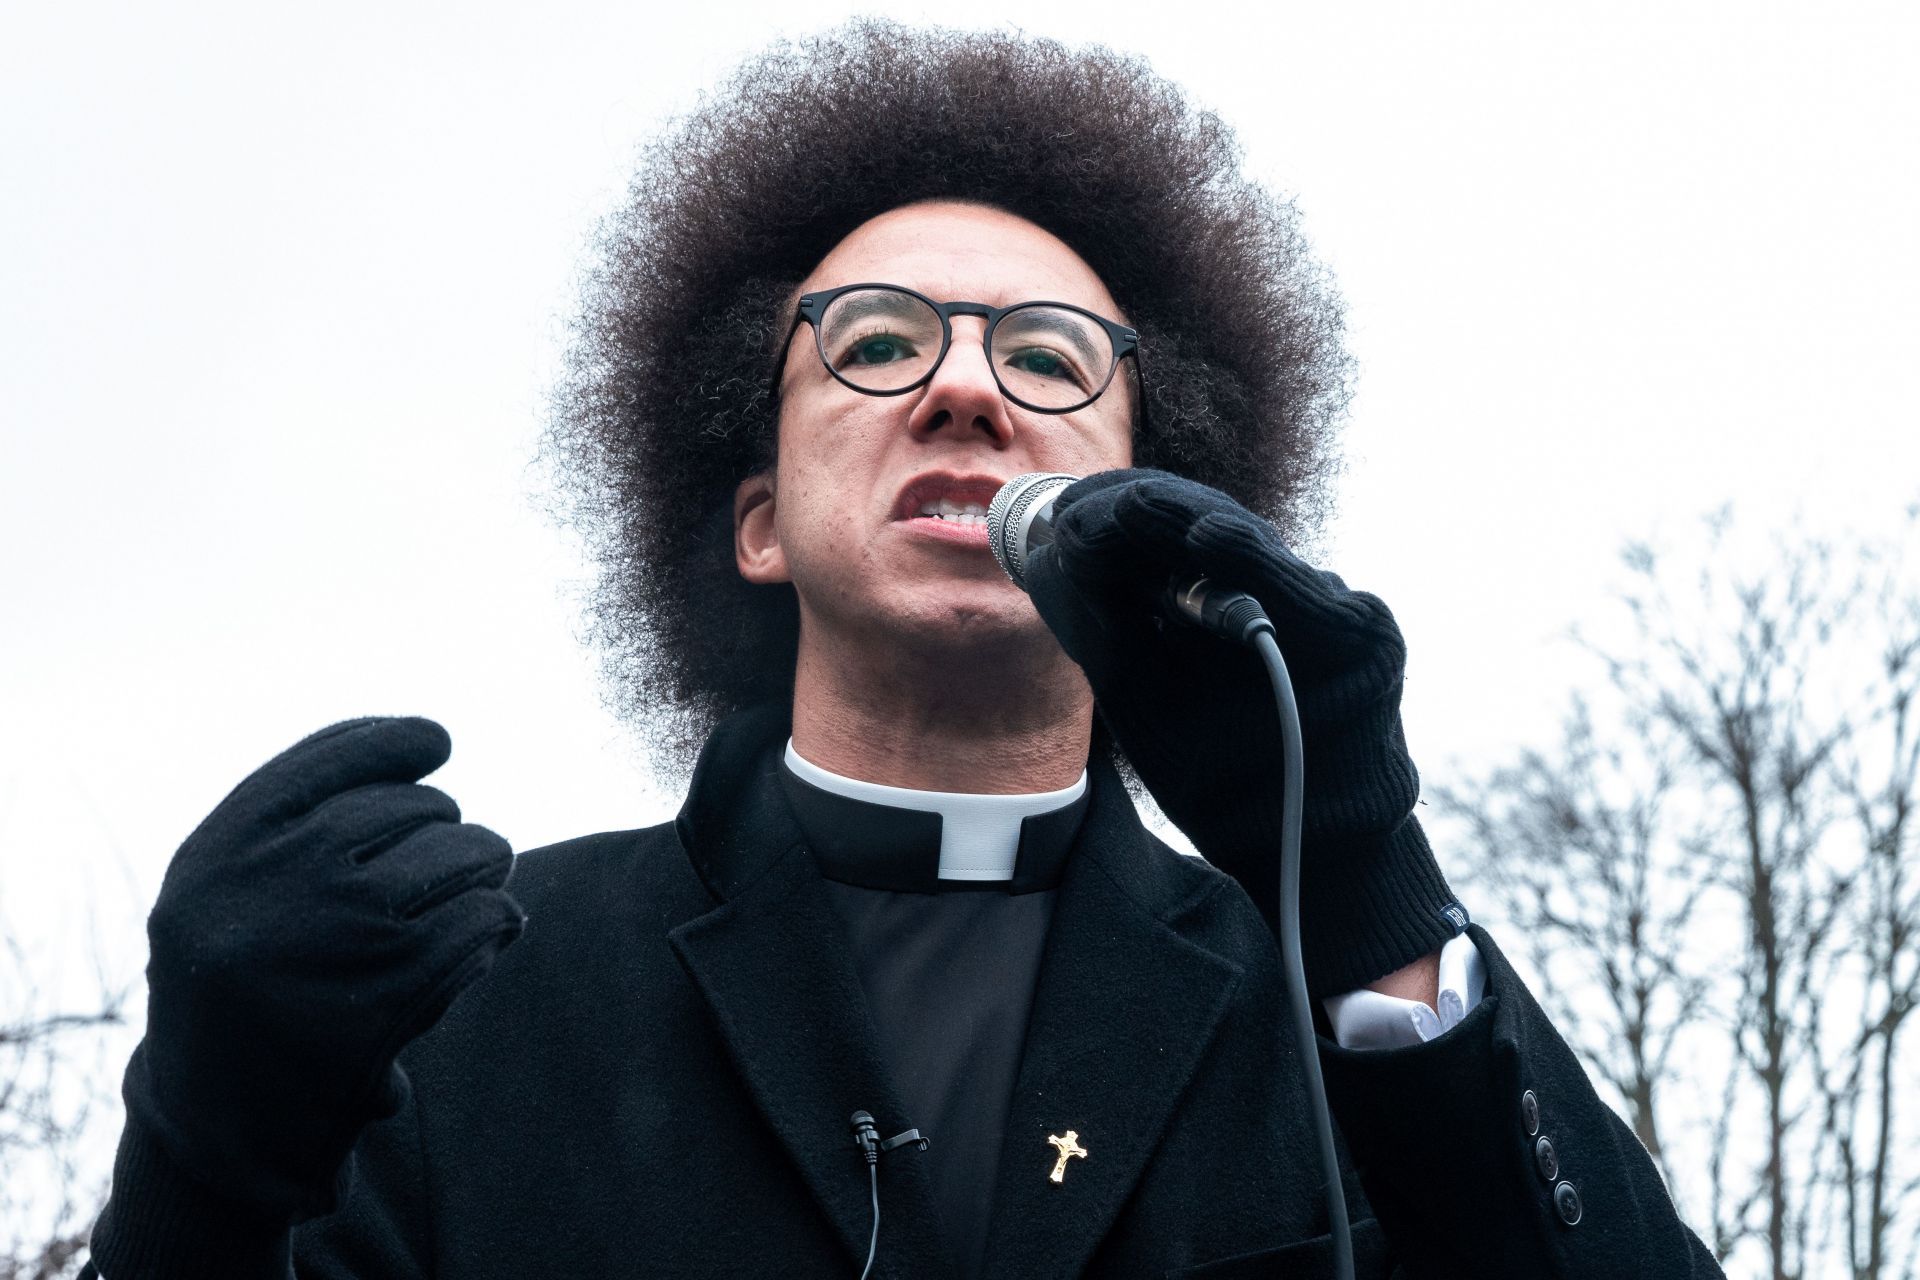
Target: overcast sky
(281, 291)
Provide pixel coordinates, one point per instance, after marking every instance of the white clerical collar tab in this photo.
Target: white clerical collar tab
(979, 833)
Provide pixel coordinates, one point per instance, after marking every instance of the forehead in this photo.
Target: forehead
(963, 252)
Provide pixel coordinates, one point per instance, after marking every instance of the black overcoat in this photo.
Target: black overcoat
(656, 1081)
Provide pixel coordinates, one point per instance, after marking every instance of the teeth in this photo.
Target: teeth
(958, 512)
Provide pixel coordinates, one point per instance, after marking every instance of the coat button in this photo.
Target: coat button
(1530, 1112)
(1546, 1160)
(1567, 1201)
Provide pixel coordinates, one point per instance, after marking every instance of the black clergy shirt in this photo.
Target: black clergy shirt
(948, 969)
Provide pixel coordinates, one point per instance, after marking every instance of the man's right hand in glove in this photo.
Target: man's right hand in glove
(327, 912)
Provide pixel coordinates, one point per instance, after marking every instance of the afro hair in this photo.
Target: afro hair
(663, 406)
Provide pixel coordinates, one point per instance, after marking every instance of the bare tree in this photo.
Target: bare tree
(1737, 700)
(1877, 779)
(1580, 846)
(47, 1199)
(1761, 772)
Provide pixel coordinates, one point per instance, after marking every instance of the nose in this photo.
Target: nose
(962, 396)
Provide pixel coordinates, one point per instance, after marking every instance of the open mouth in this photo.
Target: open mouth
(946, 495)
(948, 506)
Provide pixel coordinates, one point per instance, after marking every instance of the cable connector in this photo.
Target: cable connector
(1233, 614)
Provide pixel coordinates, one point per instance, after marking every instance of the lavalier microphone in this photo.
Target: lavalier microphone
(867, 1138)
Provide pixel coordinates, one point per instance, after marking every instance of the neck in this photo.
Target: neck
(999, 722)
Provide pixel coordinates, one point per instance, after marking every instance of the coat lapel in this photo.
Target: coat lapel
(1124, 1011)
(774, 966)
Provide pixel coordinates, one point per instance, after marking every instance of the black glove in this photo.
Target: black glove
(325, 913)
(1196, 716)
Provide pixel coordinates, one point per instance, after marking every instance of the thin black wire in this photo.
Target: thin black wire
(1289, 919)
(873, 1176)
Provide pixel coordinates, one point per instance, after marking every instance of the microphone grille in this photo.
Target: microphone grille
(1011, 515)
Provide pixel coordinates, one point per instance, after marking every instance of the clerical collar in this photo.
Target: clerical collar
(899, 838)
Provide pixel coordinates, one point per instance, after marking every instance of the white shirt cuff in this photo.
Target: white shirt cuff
(1367, 1019)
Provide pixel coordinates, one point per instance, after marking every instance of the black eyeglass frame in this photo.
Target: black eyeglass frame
(813, 306)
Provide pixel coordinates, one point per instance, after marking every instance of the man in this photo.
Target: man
(908, 879)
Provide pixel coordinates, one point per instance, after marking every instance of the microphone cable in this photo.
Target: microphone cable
(1293, 778)
(873, 1242)
(1237, 616)
(867, 1138)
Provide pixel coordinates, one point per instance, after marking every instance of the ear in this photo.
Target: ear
(756, 535)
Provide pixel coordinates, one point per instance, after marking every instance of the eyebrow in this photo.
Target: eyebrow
(1053, 322)
(858, 306)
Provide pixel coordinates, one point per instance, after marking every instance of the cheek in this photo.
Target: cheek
(838, 441)
(1104, 444)
(825, 490)
(1120, 428)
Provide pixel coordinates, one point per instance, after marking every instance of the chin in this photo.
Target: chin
(983, 622)
(948, 620)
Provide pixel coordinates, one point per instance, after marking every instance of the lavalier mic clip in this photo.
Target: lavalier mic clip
(867, 1138)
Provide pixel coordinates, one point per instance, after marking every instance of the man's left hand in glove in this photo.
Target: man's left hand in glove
(1196, 717)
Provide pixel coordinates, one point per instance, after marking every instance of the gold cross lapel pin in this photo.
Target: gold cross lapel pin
(1069, 1146)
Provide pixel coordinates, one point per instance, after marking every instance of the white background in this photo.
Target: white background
(281, 293)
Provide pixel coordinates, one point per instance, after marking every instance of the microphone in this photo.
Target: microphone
(1020, 522)
(867, 1138)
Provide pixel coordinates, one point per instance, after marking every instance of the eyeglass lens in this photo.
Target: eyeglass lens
(884, 340)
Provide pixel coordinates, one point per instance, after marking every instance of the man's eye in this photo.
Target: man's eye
(1042, 363)
(879, 348)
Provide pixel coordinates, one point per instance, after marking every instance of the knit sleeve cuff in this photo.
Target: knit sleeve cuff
(1383, 908)
(160, 1224)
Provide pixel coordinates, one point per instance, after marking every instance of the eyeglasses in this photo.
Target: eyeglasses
(885, 340)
